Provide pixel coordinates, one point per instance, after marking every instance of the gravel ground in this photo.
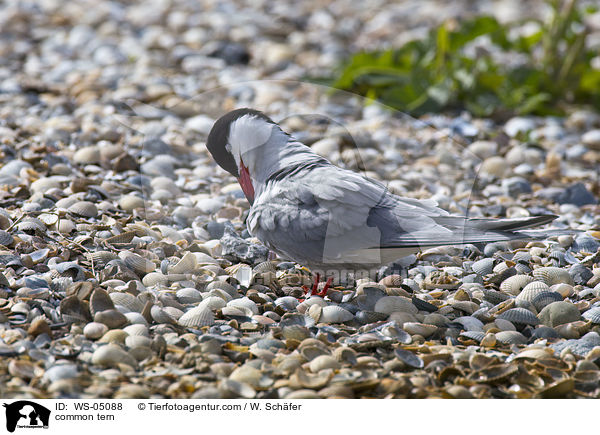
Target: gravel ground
(126, 268)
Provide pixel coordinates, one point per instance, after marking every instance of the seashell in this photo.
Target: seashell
(553, 275)
(5, 238)
(470, 323)
(154, 278)
(251, 376)
(586, 243)
(133, 341)
(224, 286)
(186, 264)
(197, 318)
(391, 281)
(391, 304)
(159, 315)
(324, 362)
(100, 301)
(111, 355)
(520, 316)
(494, 374)
(409, 358)
(125, 237)
(545, 298)
(593, 315)
(544, 332)
(137, 263)
(31, 225)
(84, 208)
(265, 266)
(473, 335)
(114, 336)
(335, 314)
(511, 337)
(24, 369)
(131, 202)
(558, 390)
(422, 329)
(137, 329)
(315, 312)
(440, 280)
(345, 355)
(188, 295)
(136, 318)
(495, 297)
(94, 330)
(483, 267)
(214, 303)
(233, 389)
(314, 381)
(514, 284)
(102, 257)
(531, 290)
(535, 354)
(244, 302)
(423, 305)
(111, 318)
(74, 310)
(128, 301)
(565, 290)
(288, 303)
(242, 273)
(366, 317)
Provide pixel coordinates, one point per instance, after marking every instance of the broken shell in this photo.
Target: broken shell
(186, 264)
(100, 301)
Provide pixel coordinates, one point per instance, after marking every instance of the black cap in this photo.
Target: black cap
(219, 137)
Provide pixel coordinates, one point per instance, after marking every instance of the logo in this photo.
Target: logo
(26, 414)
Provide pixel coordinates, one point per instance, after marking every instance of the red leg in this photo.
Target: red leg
(315, 287)
(323, 292)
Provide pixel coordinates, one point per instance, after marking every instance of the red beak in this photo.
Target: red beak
(246, 183)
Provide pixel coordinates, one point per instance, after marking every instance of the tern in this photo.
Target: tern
(330, 219)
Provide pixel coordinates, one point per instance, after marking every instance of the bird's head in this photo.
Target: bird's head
(238, 141)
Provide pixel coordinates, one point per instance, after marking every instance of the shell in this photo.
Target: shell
(514, 284)
(553, 275)
(593, 315)
(31, 225)
(324, 362)
(128, 301)
(186, 264)
(335, 314)
(102, 257)
(125, 237)
(244, 302)
(111, 355)
(473, 335)
(345, 355)
(366, 317)
(74, 310)
(422, 329)
(409, 358)
(531, 290)
(545, 298)
(189, 295)
(137, 263)
(483, 267)
(392, 281)
(511, 337)
(111, 318)
(159, 315)
(495, 297)
(391, 304)
(197, 318)
(84, 208)
(100, 301)
(137, 329)
(494, 374)
(213, 303)
(265, 266)
(5, 238)
(520, 316)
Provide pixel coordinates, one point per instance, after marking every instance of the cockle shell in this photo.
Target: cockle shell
(553, 275)
(514, 284)
(391, 304)
(197, 318)
(335, 314)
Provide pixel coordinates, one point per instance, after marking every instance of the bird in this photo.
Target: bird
(333, 220)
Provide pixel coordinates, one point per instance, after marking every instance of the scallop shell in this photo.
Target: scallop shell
(553, 275)
(593, 315)
(137, 263)
(531, 290)
(186, 264)
(197, 317)
(212, 303)
(483, 267)
(128, 301)
(125, 237)
(335, 314)
(511, 337)
(520, 316)
(84, 208)
(391, 304)
(31, 224)
(514, 284)
(102, 257)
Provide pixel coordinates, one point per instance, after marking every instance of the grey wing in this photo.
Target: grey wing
(326, 216)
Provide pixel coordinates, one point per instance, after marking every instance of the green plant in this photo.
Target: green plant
(445, 72)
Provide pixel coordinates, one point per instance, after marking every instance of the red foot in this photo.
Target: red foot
(323, 292)
(314, 291)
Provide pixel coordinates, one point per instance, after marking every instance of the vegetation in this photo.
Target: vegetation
(490, 69)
